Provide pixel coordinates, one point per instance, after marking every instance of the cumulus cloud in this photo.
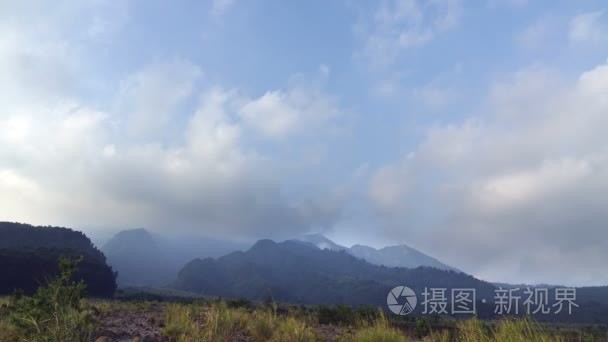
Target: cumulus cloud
(164, 152)
(280, 113)
(72, 168)
(519, 187)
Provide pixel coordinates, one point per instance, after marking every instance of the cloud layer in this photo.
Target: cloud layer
(520, 185)
(249, 122)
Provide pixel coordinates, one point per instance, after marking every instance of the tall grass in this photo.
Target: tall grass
(473, 330)
(506, 330)
(265, 325)
(379, 330)
(522, 330)
(8, 333)
(218, 322)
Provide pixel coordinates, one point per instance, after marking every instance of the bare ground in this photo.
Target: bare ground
(131, 325)
(145, 325)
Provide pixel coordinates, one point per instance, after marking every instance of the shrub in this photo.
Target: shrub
(8, 333)
(240, 303)
(366, 314)
(54, 312)
(337, 315)
(423, 326)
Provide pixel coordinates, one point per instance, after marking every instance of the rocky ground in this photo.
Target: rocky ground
(145, 324)
(128, 324)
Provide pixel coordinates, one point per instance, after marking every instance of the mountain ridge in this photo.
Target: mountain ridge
(291, 271)
(390, 256)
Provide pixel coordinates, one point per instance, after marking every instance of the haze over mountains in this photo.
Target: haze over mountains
(390, 256)
(296, 271)
(146, 259)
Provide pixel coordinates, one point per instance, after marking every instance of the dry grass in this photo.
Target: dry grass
(267, 326)
(506, 330)
(380, 330)
(203, 323)
(217, 322)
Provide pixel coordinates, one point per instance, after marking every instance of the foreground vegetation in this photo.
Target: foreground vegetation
(218, 322)
(228, 321)
(54, 313)
(59, 312)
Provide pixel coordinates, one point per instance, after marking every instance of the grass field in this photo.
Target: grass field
(59, 312)
(241, 320)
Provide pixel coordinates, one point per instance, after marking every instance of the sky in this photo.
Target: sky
(474, 131)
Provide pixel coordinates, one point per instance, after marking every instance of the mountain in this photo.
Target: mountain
(293, 271)
(29, 256)
(398, 256)
(145, 259)
(138, 259)
(322, 242)
(392, 256)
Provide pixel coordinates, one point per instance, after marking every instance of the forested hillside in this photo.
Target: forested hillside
(296, 272)
(29, 256)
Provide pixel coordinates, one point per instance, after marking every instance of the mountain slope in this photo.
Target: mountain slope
(322, 242)
(296, 272)
(398, 256)
(29, 255)
(145, 259)
(138, 259)
(392, 256)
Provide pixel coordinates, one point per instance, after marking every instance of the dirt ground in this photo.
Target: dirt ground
(145, 325)
(129, 325)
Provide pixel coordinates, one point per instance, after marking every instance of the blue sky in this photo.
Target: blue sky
(471, 130)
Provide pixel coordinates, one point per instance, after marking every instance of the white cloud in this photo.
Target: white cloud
(69, 168)
(434, 97)
(515, 186)
(163, 153)
(589, 27)
(150, 98)
(389, 188)
(281, 113)
(538, 34)
(403, 24)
